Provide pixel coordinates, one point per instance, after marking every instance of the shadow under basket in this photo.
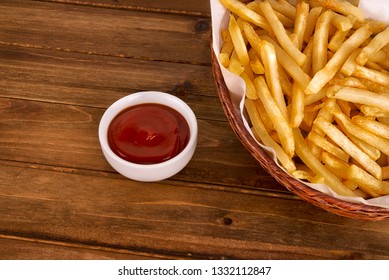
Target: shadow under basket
(324, 201)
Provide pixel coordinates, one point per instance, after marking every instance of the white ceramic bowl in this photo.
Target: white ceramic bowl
(149, 172)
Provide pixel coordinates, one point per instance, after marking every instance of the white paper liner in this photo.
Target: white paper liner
(236, 85)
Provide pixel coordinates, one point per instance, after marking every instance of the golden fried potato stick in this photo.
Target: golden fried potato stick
(320, 41)
(342, 23)
(245, 13)
(361, 96)
(331, 68)
(300, 23)
(297, 106)
(371, 111)
(280, 33)
(317, 167)
(313, 15)
(269, 58)
(281, 125)
(373, 126)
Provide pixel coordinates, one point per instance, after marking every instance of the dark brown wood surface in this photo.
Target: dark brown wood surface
(62, 63)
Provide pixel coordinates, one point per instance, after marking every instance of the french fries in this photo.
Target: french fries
(317, 89)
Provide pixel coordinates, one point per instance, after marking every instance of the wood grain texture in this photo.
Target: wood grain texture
(16, 248)
(98, 81)
(180, 221)
(191, 7)
(107, 32)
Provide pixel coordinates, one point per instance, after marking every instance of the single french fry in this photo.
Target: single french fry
(385, 172)
(268, 55)
(264, 116)
(262, 133)
(328, 72)
(348, 82)
(361, 96)
(372, 75)
(297, 106)
(300, 24)
(281, 34)
(384, 188)
(308, 51)
(286, 84)
(373, 126)
(320, 41)
(313, 15)
(349, 66)
(280, 123)
(373, 86)
(341, 22)
(371, 111)
(352, 185)
(302, 175)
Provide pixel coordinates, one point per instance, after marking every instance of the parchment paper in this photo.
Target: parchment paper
(374, 9)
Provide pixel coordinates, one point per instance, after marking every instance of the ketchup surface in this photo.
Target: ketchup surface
(148, 133)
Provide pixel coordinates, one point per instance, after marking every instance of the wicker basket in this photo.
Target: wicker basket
(324, 201)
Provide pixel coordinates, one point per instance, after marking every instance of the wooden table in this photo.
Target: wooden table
(62, 63)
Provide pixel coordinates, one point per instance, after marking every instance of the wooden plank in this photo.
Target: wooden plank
(66, 135)
(190, 7)
(112, 32)
(15, 248)
(98, 81)
(179, 221)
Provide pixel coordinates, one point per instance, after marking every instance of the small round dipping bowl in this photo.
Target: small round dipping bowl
(155, 171)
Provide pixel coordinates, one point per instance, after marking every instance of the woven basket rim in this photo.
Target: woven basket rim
(317, 198)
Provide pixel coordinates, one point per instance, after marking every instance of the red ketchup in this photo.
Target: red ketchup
(148, 133)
